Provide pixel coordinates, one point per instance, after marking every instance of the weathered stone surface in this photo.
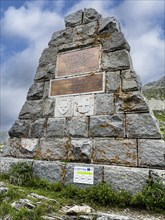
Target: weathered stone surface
(74, 19)
(47, 170)
(115, 41)
(46, 90)
(32, 110)
(84, 32)
(55, 127)
(107, 126)
(84, 105)
(129, 179)
(53, 149)
(48, 57)
(151, 153)
(48, 108)
(37, 128)
(68, 173)
(116, 151)
(130, 81)
(117, 60)
(20, 128)
(35, 91)
(64, 106)
(7, 162)
(113, 81)
(22, 147)
(23, 203)
(108, 25)
(62, 37)
(81, 150)
(45, 73)
(104, 104)
(77, 44)
(142, 125)
(90, 14)
(130, 102)
(77, 127)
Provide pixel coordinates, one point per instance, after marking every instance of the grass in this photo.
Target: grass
(161, 119)
(101, 196)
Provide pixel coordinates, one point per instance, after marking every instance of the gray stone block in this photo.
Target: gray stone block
(37, 128)
(36, 91)
(113, 81)
(108, 25)
(20, 148)
(130, 81)
(55, 127)
(53, 149)
(7, 162)
(90, 14)
(47, 170)
(46, 90)
(74, 19)
(61, 37)
(142, 125)
(116, 151)
(129, 179)
(77, 44)
(20, 128)
(107, 126)
(151, 153)
(130, 102)
(32, 110)
(81, 150)
(77, 127)
(48, 108)
(117, 60)
(104, 104)
(44, 73)
(84, 32)
(115, 41)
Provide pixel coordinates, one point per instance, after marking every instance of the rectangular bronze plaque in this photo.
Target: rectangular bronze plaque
(80, 61)
(83, 84)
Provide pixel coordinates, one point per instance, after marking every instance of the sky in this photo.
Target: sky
(27, 27)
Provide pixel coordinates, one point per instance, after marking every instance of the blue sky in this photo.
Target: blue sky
(27, 26)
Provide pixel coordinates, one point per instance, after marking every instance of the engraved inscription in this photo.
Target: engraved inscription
(76, 62)
(84, 84)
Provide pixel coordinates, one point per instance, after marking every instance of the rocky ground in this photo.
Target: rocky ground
(31, 201)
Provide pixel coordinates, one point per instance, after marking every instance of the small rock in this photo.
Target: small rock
(26, 203)
(79, 209)
(3, 190)
(36, 196)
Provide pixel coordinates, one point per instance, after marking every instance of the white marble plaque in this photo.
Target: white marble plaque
(64, 107)
(84, 105)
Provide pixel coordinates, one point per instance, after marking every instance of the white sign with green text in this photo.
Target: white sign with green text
(83, 175)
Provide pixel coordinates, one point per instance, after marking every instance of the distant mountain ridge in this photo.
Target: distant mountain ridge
(155, 90)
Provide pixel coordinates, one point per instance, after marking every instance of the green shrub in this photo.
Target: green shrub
(20, 174)
(151, 197)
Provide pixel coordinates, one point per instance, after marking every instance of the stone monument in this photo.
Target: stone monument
(85, 120)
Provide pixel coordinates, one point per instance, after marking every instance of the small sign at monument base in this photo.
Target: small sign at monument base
(83, 175)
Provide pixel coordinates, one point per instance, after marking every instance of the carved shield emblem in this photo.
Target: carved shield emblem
(63, 106)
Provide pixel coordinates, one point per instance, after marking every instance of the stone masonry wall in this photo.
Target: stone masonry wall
(116, 126)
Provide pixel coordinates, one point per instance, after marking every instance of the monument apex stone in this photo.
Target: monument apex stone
(108, 25)
(74, 19)
(90, 14)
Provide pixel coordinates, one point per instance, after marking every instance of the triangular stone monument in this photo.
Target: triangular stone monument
(85, 119)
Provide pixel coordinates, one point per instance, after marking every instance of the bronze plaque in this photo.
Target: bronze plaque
(75, 62)
(83, 84)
